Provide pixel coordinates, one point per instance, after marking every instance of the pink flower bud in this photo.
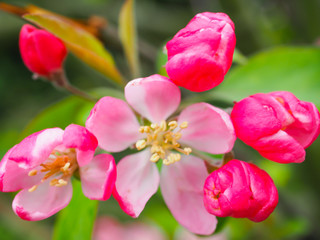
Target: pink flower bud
(41, 51)
(200, 54)
(277, 124)
(240, 190)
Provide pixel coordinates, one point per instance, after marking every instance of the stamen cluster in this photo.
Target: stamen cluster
(162, 139)
(59, 164)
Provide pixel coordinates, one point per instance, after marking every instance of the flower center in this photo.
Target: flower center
(59, 164)
(162, 139)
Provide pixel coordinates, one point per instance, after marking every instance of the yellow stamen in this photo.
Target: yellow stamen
(65, 167)
(184, 125)
(32, 173)
(33, 188)
(141, 144)
(187, 150)
(155, 157)
(173, 125)
(61, 183)
(161, 139)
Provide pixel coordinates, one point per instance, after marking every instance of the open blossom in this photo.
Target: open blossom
(41, 51)
(42, 165)
(199, 126)
(240, 190)
(277, 124)
(200, 54)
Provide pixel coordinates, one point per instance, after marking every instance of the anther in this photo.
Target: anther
(154, 125)
(155, 157)
(141, 129)
(177, 135)
(146, 129)
(141, 144)
(187, 150)
(65, 167)
(33, 188)
(163, 125)
(173, 125)
(32, 173)
(184, 125)
(61, 182)
(53, 182)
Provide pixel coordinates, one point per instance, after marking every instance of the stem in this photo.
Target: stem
(79, 93)
(59, 79)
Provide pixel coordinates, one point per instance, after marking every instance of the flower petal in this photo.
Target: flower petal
(154, 97)
(42, 203)
(36, 148)
(98, 177)
(114, 124)
(209, 128)
(305, 128)
(137, 181)
(280, 147)
(85, 142)
(182, 189)
(14, 178)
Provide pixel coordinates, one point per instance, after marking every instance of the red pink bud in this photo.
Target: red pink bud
(277, 124)
(41, 52)
(240, 190)
(200, 54)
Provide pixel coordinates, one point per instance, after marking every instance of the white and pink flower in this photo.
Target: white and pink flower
(199, 126)
(41, 166)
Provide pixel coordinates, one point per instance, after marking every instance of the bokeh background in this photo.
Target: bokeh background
(261, 26)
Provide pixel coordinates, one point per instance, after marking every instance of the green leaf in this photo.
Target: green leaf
(60, 115)
(294, 69)
(78, 40)
(76, 221)
(128, 36)
(162, 58)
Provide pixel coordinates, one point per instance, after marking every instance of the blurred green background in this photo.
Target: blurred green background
(267, 26)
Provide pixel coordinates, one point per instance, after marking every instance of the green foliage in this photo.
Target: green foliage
(76, 221)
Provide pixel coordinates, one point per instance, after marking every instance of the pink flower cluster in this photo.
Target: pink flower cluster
(176, 141)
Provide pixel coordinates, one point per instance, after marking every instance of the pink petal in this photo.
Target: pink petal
(42, 203)
(306, 126)
(184, 70)
(281, 148)
(154, 97)
(14, 178)
(137, 181)
(114, 124)
(268, 102)
(209, 128)
(252, 120)
(98, 177)
(36, 148)
(82, 140)
(182, 189)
